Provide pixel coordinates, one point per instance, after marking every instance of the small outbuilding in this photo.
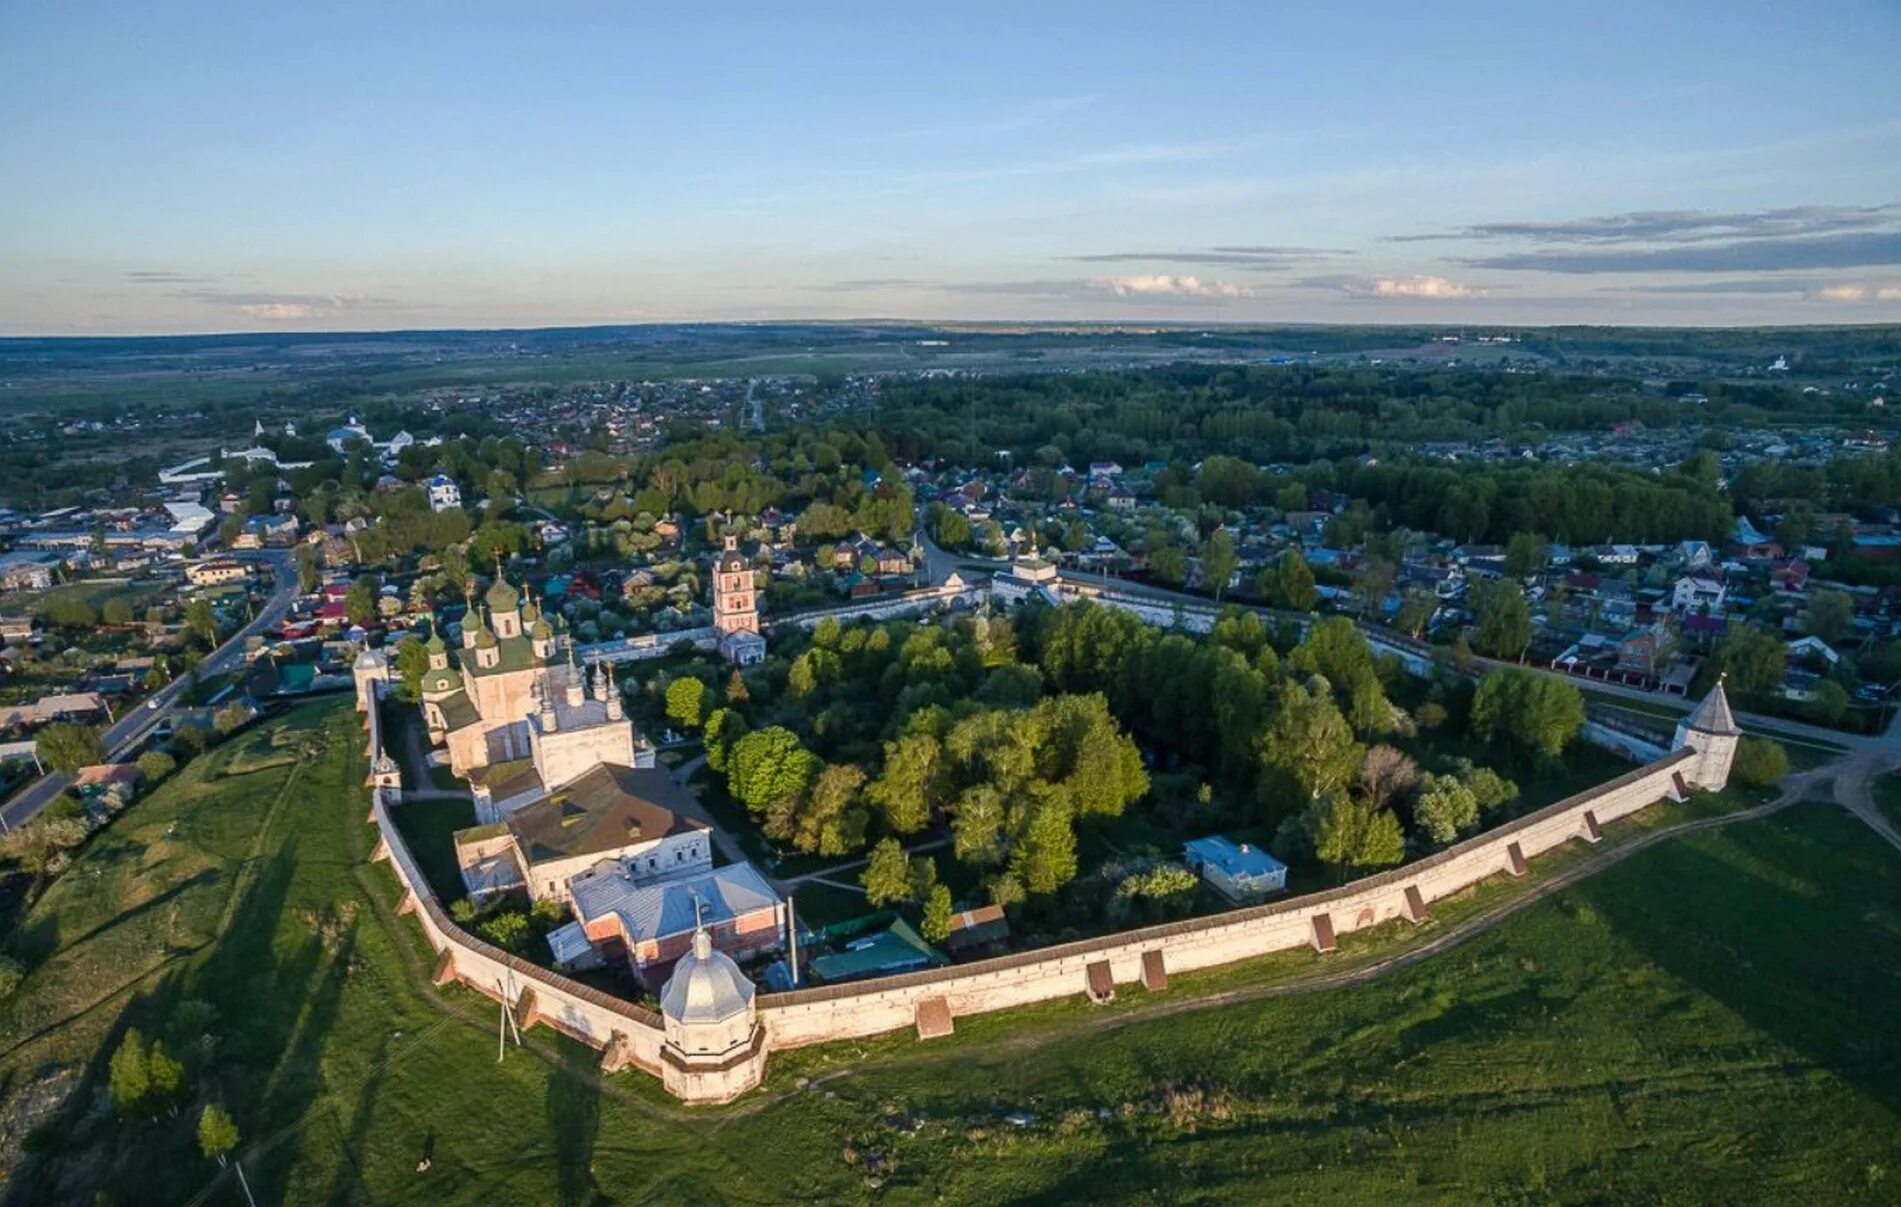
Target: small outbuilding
(1240, 872)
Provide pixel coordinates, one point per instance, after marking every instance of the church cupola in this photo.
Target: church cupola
(488, 654)
(544, 701)
(614, 710)
(577, 681)
(504, 605)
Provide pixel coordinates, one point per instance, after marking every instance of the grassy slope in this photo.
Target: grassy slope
(1708, 1021)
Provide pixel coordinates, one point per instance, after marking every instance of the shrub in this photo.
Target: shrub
(11, 974)
(1760, 763)
(155, 765)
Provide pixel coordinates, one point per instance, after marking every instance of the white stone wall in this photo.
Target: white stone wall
(866, 1008)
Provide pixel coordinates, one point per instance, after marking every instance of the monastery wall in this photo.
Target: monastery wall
(807, 1016)
(930, 1000)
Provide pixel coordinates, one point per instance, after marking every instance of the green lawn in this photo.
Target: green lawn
(1710, 1021)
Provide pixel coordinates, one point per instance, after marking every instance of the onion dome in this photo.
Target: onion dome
(502, 597)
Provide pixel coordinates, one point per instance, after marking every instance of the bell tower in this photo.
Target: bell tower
(735, 602)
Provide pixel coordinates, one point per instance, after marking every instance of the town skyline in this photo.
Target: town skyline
(197, 170)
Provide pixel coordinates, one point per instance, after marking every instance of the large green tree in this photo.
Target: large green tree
(769, 765)
(66, 747)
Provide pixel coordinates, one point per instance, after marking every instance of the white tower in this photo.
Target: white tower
(1710, 731)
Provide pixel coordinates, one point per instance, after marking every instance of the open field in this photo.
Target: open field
(1708, 1021)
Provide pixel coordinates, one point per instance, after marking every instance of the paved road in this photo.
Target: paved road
(135, 723)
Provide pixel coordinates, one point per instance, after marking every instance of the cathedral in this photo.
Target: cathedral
(505, 695)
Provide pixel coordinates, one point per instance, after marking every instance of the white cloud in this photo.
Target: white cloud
(1395, 287)
(1859, 293)
(1164, 285)
(283, 310)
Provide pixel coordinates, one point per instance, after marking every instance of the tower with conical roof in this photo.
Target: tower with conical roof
(1712, 733)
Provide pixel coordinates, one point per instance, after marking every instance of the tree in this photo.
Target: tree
(937, 915)
(1536, 711)
(724, 727)
(768, 765)
(977, 827)
(736, 692)
(1229, 481)
(1830, 615)
(1444, 808)
(1753, 658)
(200, 619)
(1290, 584)
(155, 765)
(1385, 774)
(1504, 620)
(66, 747)
(359, 603)
(507, 930)
(1759, 762)
(117, 610)
(165, 1075)
(1525, 554)
(1416, 609)
(1352, 833)
(40, 846)
(833, 821)
(127, 1072)
(412, 663)
(686, 701)
(1044, 857)
(231, 718)
(887, 874)
(1218, 560)
(914, 785)
(217, 1132)
(1167, 562)
(1310, 742)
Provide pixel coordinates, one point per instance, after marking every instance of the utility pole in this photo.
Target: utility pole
(247, 1186)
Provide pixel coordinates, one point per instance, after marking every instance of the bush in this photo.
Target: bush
(1760, 763)
(155, 765)
(11, 974)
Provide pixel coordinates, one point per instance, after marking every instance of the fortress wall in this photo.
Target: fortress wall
(868, 1007)
(585, 1013)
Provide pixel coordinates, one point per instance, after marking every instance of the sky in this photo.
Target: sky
(184, 166)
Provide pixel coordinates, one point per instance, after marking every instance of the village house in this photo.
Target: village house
(1698, 594)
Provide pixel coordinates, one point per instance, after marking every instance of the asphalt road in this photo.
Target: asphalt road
(136, 722)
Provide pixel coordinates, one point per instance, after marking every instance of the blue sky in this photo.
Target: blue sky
(190, 166)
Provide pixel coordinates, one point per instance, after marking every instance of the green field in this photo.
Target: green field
(1709, 1021)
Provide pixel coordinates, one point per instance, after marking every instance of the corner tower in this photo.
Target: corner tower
(1711, 731)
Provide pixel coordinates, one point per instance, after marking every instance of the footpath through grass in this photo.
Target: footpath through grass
(1709, 1021)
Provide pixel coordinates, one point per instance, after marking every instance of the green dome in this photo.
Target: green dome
(542, 630)
(530, 613)
(484, 638)
(439, 681)
(435, 644)
(502, 597)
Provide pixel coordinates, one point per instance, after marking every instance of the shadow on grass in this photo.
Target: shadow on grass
(1793, 895)
(573, 1105)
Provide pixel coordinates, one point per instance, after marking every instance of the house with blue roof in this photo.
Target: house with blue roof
(1241, 872)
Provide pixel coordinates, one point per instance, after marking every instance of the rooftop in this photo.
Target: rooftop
(609, 808)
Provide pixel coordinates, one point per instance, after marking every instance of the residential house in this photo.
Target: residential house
(1699, 593)
(27, 571)
(444, 494)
